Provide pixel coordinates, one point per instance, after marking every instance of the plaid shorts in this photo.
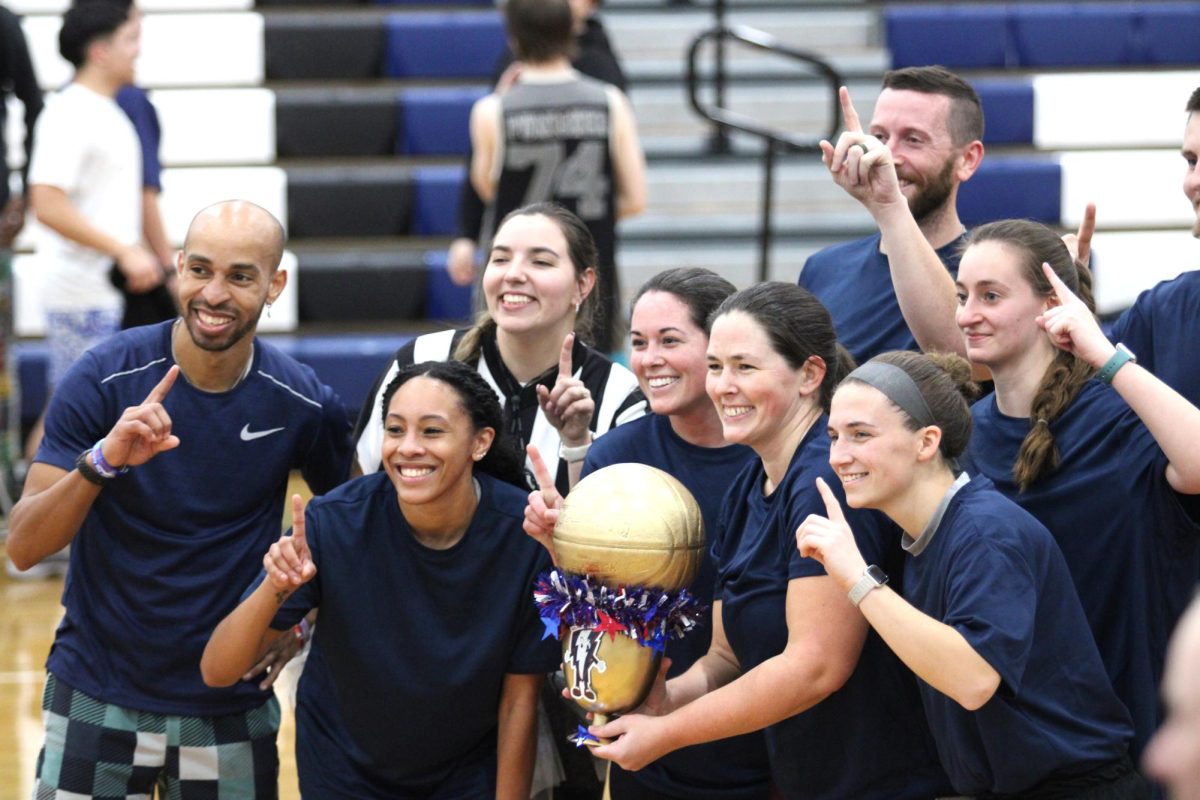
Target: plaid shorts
(99, 751)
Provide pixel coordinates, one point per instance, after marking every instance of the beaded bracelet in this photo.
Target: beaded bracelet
(105, 469)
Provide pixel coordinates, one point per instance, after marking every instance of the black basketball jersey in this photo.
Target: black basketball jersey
(556, 147)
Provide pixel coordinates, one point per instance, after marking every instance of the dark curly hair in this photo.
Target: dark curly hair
(478, 401)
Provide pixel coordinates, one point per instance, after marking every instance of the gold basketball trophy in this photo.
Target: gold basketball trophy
(628, 541)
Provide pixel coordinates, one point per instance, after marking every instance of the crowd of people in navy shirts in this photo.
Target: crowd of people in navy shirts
(951, 522)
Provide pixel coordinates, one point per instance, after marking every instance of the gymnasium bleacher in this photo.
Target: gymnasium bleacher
(347, 118)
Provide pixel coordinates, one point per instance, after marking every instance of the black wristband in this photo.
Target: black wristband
(84, 465)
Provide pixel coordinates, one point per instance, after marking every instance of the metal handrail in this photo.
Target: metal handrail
(775, 140)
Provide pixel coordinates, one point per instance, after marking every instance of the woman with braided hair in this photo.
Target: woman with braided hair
(425, 668)
(1099, 450)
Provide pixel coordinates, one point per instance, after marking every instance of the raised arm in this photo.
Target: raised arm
(244, 635)
(55, 502)
(864, 168)
(937, 653)
(1170, 417)
(568, 406)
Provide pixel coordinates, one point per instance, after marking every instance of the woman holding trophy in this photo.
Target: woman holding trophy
(425, 669)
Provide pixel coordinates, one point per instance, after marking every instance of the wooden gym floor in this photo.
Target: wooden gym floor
(29, 614)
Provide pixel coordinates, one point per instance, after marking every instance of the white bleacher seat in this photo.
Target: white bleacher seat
(187, 190)
(1128, 262)
(216, 126)
(1111, 109)
(24, 7)
(213, 49)
(1131, 188)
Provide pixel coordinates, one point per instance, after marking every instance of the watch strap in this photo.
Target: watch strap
(84, 464)
(872, 578)
(1120, 358)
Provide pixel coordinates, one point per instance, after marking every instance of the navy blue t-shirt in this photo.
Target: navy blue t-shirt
(402, 688)
(1162, 328)
(141, 112)
(1130, 541)
(868, 740)
(165, 548)
(854, 281)
(994, 574)
(727, 769)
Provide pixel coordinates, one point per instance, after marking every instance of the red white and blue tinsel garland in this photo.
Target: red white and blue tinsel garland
(649, 616)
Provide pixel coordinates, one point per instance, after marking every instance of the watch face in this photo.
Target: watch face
(877, 574)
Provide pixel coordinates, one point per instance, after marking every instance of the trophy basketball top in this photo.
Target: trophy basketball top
(631, 525)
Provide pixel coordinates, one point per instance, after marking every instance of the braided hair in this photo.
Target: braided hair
(1035, 244)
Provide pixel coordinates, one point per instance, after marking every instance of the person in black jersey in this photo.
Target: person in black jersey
(556, 135)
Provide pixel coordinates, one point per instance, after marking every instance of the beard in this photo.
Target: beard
(931, 197)
(222, 343)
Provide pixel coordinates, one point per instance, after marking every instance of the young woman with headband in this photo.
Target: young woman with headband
(988, 613)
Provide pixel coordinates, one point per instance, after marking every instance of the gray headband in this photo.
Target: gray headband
(897, 386)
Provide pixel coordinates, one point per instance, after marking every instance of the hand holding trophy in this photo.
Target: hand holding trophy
(629, 540)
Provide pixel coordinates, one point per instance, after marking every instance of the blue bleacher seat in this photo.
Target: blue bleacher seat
(1044, 34)
(435, 196)
(1012, 187)
(954, 36)
(1073, 34)
(434, 121)
(439, 45)
(444, 299)
(1170, 32)
(348, 363)
(1007, 111)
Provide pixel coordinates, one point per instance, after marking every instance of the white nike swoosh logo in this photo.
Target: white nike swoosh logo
(248, 436)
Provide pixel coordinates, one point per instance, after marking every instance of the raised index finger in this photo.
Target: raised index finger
(540, 472)
(1065, 295)
(1087, 227)
(564, 356)
(848, 113)
(298, 535)
(160, 391)
(833, 509)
